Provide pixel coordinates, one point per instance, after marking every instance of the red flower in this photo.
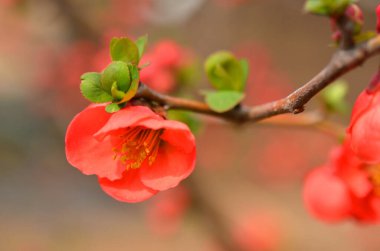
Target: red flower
(258, 231)
(364, 128)
(344, 187)
(134, 152)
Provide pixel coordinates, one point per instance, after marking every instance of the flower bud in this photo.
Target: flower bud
(355, 14)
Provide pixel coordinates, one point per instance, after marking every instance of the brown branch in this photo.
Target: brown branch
(341, 62)
(346, 27)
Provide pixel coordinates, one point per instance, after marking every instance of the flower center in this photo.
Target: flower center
(374, 176)
(138, 144)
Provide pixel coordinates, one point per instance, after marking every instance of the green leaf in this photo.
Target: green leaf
(222, 101)
(334, 95)
(327, 7)
(113, 107)
(116, 93)
(91, 88)
(141, 44)
(225, 72)
(134, 71)
(124, 49)
(118, 72)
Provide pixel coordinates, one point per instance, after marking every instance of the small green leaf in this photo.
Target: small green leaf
(113, 107)
(334, 95)
(222, 101)
(91, 88)
(90, 76)
(134, 71)
(118, 72)
(116, 93)
(225, 72)
(124, 49)
(141, 44)
(327, 7)
(316, 7)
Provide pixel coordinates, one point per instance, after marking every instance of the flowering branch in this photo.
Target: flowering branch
(341, 62)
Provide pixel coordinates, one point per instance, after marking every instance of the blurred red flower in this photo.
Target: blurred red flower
(134, 152)
(265, 81)
(293, 165)
(165, 60)
(344, 187)
(364, 128)
(258, 231)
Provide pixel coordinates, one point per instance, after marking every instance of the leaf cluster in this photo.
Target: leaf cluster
(119, 81)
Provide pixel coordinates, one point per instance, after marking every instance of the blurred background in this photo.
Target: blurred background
(251, 174)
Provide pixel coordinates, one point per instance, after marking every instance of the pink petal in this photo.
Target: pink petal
(126, 117)
(361, 105)
(127, 189)
(349, 168)
(326, 196)
(176, 133)
(365, 136)
(171, 166)
(86, 153)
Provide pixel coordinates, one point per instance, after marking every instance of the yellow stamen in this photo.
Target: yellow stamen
(137, 145)
(374, 176)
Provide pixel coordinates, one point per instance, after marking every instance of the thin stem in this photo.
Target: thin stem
(346, 28)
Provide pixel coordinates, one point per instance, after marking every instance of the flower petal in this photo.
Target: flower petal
(127, 189)
(171, 166)
(365, 136)
(176, 133)
(86, 153)
(126, 117)
(362, 104)
(326, 196)
(350, 169)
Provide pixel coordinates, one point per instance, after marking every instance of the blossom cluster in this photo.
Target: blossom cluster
(134, 152)
(348, 185)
